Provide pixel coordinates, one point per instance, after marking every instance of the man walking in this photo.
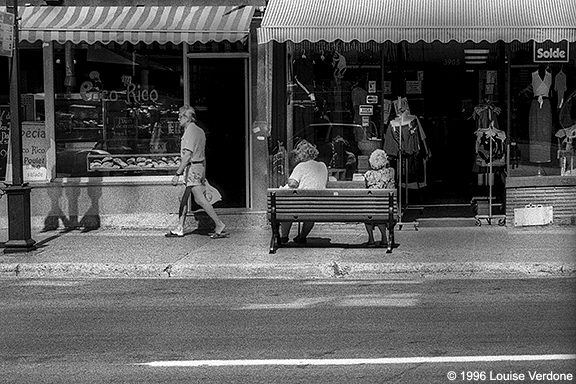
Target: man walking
(193, 167)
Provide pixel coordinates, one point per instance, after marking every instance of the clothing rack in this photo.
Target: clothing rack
(399, 171)
(490, 180)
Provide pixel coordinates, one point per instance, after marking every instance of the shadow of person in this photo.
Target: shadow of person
(55, 215)
(91, 218)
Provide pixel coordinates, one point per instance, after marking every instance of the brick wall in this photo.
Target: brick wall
(556, 191)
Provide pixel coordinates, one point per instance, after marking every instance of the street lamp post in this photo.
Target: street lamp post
(17, 193)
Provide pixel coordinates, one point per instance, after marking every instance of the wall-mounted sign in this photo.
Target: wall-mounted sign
(6, 33)
(387, 87)
(549, 52)
(365, 121)
(372, 99)
(35, 144)
(366, 110)
(371, 86)
(413, 87)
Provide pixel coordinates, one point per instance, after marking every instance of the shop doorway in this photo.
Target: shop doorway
(450, 90)
(218, 92)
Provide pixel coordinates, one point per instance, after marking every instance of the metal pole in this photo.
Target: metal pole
(17, 193)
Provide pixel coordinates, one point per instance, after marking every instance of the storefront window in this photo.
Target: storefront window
(336, 95)
(116, 109)
(31, 97)
(543, 109)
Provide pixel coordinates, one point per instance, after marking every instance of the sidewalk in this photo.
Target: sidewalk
(429, 252)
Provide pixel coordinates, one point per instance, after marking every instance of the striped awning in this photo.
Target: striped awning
(419, 20)
(134, 24)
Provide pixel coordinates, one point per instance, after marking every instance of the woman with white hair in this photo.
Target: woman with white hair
(381, 176)
(307, 174)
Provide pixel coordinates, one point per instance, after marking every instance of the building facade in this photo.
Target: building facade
(101, 85)
(489, 90)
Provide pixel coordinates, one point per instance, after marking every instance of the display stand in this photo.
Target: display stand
(399, 171)
(490, 205)
(485, 115)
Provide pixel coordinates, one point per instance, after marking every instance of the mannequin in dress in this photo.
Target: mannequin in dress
(540, 118)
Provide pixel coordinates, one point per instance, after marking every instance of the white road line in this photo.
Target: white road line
(362, 282)
(380, 361)
(390, 300)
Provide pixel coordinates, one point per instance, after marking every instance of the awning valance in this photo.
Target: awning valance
(416, 20)
(162, 24)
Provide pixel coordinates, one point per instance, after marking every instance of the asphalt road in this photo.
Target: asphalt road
(286, 331)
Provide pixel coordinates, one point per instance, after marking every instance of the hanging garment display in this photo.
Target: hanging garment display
(540, 118)
(490, 141)
(412, 136)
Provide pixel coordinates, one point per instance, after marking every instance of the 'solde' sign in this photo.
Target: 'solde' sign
(549, 52)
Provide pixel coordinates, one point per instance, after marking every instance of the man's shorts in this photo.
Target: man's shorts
(195, 175)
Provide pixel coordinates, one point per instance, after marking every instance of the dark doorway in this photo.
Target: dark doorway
(450, 135)
(218, 92)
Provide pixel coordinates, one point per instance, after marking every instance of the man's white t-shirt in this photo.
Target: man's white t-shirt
(310, 174)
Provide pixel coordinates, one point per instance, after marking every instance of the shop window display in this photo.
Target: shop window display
(336, 101)
(543, 115)
(116, 109)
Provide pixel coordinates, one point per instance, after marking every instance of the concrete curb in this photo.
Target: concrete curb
(287, 271)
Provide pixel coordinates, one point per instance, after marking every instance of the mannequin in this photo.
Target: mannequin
(540, 118)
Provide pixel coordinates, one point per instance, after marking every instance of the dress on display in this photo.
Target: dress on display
(540, 119)
(406, 135)
(488, 136)
(412, 136)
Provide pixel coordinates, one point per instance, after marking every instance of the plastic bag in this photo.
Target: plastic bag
(212, 194)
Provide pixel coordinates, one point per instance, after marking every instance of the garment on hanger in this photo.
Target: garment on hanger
(483, 155)
(540, 118)
(339, 65)
(560, 87)
(358, 98)
(303, 69)
(406, 133)
(488, 135)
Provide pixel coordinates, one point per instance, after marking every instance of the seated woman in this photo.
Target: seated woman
(381, 176)
(307, 174)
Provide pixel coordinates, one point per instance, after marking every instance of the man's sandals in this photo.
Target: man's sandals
(221, 235)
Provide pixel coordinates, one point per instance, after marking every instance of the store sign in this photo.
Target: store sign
(366, 110)
(35, 144)
(371, 86)
(413, 87)
(6, 34)
(549, 52)
(387, 87)
(372, 99)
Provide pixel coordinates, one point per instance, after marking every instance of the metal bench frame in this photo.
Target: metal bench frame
(332, 205)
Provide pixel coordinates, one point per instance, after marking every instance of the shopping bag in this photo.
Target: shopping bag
(533, 214)
(211, 193)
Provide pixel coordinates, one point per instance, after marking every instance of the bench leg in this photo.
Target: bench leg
(390, 238)
(275, 240)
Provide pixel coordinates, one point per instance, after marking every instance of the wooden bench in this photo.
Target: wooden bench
(332, 205)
